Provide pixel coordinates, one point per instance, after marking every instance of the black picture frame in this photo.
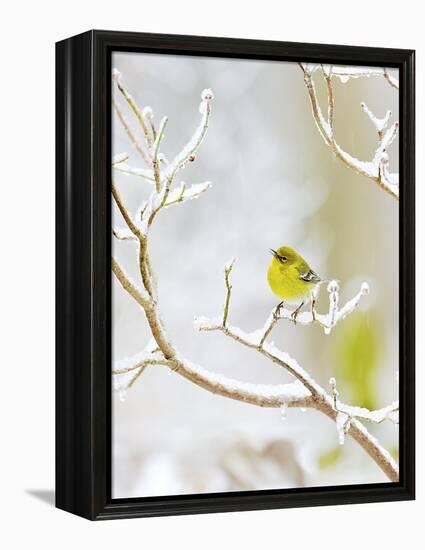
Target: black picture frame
(83, 281)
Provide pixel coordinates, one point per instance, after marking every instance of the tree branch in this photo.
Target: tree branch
(390, 412)
(319, 398)
(391, 80)
(188, 153)
(377, 169)
(155, 161)
(124, 212)
(345, 73)
(116, 75)
(227, 271)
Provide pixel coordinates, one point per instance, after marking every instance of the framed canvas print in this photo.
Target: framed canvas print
(235, 275)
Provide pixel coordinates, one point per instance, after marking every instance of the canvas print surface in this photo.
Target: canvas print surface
(255, 282)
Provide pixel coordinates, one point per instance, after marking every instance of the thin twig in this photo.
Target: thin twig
(140, 364)
(140, 172)
(134, 140)
(124, 212)
(270, 324)
(331, 101)
(391, 80)
(190, 149)
(155, 161)
(141, 298)
(227, 271)
(135, 110)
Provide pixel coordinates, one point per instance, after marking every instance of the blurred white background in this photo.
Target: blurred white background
(275, 182)
(27, 404)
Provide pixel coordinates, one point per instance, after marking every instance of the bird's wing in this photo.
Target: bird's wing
(310, 276)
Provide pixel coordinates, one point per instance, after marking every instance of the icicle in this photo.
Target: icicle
(335, 392)
(283, 411)
(341, 426)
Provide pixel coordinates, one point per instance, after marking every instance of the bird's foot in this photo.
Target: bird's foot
(295, 313)
(277, 310)
(313, 310)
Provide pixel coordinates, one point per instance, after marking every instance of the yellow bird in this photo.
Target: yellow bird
(292, 279)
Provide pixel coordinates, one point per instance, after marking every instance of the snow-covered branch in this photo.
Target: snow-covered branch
(303, 391)
(116, 76)
(345, 73)
(390, 412)
(335, 314)
(377, 169)
(257, 339)
(343, 415)
(326, 320)
(123, 234)
(138, 144)
(130, 171)
(184, 193)
(188, 153)
(118, 159)
(391, 80)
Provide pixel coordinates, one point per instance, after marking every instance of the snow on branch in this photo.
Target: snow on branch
(184, 193)
(159, 172)
(118, 159)
(378, 168)
(390, 412)
(138, 144)
(116, 76)
(327, 320)
(303, 391)
(344, 73)
(128, 370)
(188, 153)
(346, 414)
(291, 395)
(123, 234)
(130, 171)
(257, 339)
(155, 153)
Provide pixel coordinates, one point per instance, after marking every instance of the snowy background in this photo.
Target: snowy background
(274, 182)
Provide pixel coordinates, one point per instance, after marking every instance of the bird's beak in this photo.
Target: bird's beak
(273, 252)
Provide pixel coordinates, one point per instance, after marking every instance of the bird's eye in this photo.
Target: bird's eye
(283, 258)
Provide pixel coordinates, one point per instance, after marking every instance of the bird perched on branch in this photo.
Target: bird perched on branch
(292, 279)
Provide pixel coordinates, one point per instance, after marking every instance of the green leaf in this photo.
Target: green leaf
(330, 458)
(357, 359)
